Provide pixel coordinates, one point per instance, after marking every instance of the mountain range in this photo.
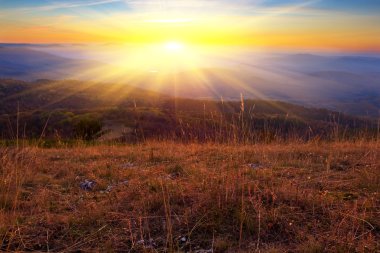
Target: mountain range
(348, 84)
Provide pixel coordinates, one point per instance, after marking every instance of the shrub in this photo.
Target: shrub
(88, 128)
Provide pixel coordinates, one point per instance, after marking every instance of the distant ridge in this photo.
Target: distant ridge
(349, 84)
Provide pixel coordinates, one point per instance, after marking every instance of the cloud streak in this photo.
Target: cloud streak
(57, 6)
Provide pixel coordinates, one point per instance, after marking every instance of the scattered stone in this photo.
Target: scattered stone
(111, 187)
(174, 175)
(125, 182)
(255, 166)
(204, 251)
(127, 165)
(87, 185)
(166, 177)
(182, 241)
(147, 244)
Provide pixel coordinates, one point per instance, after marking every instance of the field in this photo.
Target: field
(171, 197)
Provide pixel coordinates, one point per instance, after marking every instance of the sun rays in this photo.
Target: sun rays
(185, 44)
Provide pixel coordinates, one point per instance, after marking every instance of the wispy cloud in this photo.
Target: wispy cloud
(57, 6)
(177, 20)
(248, 22)
(238, 7)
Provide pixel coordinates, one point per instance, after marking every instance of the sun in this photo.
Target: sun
(174, 46)
(158, 59)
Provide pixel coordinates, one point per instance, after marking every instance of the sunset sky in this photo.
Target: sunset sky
(350, 25)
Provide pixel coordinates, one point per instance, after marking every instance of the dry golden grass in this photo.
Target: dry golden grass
(315, 197)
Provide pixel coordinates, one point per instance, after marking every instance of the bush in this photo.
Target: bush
(87, 128)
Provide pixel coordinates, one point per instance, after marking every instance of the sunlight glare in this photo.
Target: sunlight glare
(174, 46)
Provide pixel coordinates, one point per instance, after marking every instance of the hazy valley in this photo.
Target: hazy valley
(347, 84)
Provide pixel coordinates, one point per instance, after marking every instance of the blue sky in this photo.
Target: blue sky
(115, 5)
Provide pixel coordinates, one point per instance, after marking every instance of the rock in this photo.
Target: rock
(174, 175)
(87, 185)
(255, 166)
(108, 189)
(125, 182)
(146, 244)
(127, 165)
(182, 240)
(111, 187)
(204, 251)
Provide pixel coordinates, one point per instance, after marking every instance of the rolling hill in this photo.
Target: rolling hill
(62, 106)
(348, 84)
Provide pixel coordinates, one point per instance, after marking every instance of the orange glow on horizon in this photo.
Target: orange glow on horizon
(281, 28)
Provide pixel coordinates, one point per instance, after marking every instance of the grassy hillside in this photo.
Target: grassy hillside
(65, 109)
(169, 197)
(196, 175)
